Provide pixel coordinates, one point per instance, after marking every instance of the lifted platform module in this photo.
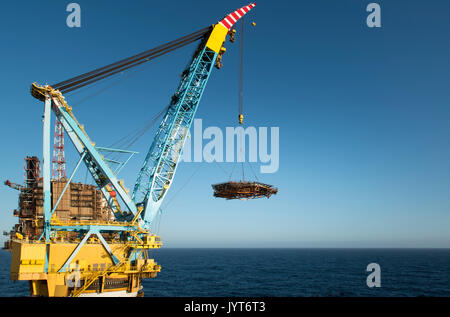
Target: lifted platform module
(243, 190)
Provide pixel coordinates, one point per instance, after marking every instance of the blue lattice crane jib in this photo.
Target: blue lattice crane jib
(159, 167)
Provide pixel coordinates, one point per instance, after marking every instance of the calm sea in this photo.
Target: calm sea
(285, 272)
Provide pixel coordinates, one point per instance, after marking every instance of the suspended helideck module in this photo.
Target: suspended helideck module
(243, 190)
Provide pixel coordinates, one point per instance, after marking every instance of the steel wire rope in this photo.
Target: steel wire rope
(183, 186)
(132, 58)
(221, 168)
(121, 72)
(241, 93)
(137, 133)
(129, 59)
(162, 111)
(85, 83)
(240, 97)
(112, 69)
(134, 137)
(159, 115)
(175, 195)
(232, 170)
(251, 168)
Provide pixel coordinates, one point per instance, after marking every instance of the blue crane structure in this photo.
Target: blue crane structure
(160, 165)
(134, 213)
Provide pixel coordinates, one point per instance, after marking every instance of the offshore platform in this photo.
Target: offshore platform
(75, 239)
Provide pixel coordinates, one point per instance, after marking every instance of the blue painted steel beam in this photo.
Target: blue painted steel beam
(81, 149)
(108, 249)
(46, 169)
(75, 252)
(100, 170)
(94, 227)
(121, 165)
(107, 149)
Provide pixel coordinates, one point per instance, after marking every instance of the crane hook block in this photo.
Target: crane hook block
(241, 118)
(232, 34)
(253, 24)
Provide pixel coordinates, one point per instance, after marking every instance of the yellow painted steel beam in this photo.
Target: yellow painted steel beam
(217, 38)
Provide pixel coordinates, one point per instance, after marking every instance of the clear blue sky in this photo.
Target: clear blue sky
(363, 113)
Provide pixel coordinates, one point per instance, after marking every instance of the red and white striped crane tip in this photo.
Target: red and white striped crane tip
(232, 18)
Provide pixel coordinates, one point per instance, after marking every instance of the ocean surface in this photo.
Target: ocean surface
(285, 272)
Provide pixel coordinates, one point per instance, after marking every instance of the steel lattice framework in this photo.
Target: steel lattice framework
(59, 159)
(159, 167)
(156, 175)
(46, 262)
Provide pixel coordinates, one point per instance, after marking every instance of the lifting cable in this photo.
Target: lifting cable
(118, 80)
(241, 102)
(114, 83)
(120, 66)
(183, 186)
(173, 198)
(127, 141)
(117, 67)
(241, 74)
(241, 93)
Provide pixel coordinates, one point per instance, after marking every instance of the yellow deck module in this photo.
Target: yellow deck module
(91, 270)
